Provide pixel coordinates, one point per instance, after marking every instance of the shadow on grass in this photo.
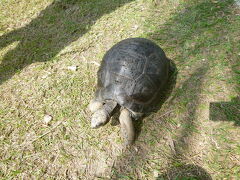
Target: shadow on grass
(186, 172)
(179, 169)
(58, 25)
(187, 34)
(226, 111)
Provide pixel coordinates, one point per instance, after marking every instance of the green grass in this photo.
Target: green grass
(194, 135)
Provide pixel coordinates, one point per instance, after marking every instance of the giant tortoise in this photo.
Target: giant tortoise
(131, 75)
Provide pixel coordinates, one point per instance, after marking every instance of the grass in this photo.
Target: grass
(194, 135)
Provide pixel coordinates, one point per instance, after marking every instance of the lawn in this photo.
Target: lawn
(193, 135)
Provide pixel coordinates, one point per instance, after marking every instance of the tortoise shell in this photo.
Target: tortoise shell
(132, 73)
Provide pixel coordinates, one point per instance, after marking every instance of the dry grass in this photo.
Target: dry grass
(40, 39)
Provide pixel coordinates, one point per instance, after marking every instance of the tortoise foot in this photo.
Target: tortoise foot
(99, 118)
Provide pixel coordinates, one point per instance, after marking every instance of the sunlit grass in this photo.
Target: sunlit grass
(40, 39)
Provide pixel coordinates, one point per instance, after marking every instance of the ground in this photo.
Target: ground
(45, 130)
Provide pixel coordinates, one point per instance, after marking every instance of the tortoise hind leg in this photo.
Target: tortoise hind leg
(127, 126)
(102, 115)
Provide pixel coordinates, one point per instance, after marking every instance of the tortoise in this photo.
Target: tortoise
(131, 75)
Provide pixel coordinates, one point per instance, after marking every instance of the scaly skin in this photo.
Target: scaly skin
(94, 105)
(127, 127)
(101, 112)
(99, 118)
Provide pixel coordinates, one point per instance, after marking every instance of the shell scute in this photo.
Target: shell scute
(132, 72)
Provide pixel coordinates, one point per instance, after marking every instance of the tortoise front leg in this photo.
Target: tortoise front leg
(95, 105)
(127, 126)
(102, 113)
